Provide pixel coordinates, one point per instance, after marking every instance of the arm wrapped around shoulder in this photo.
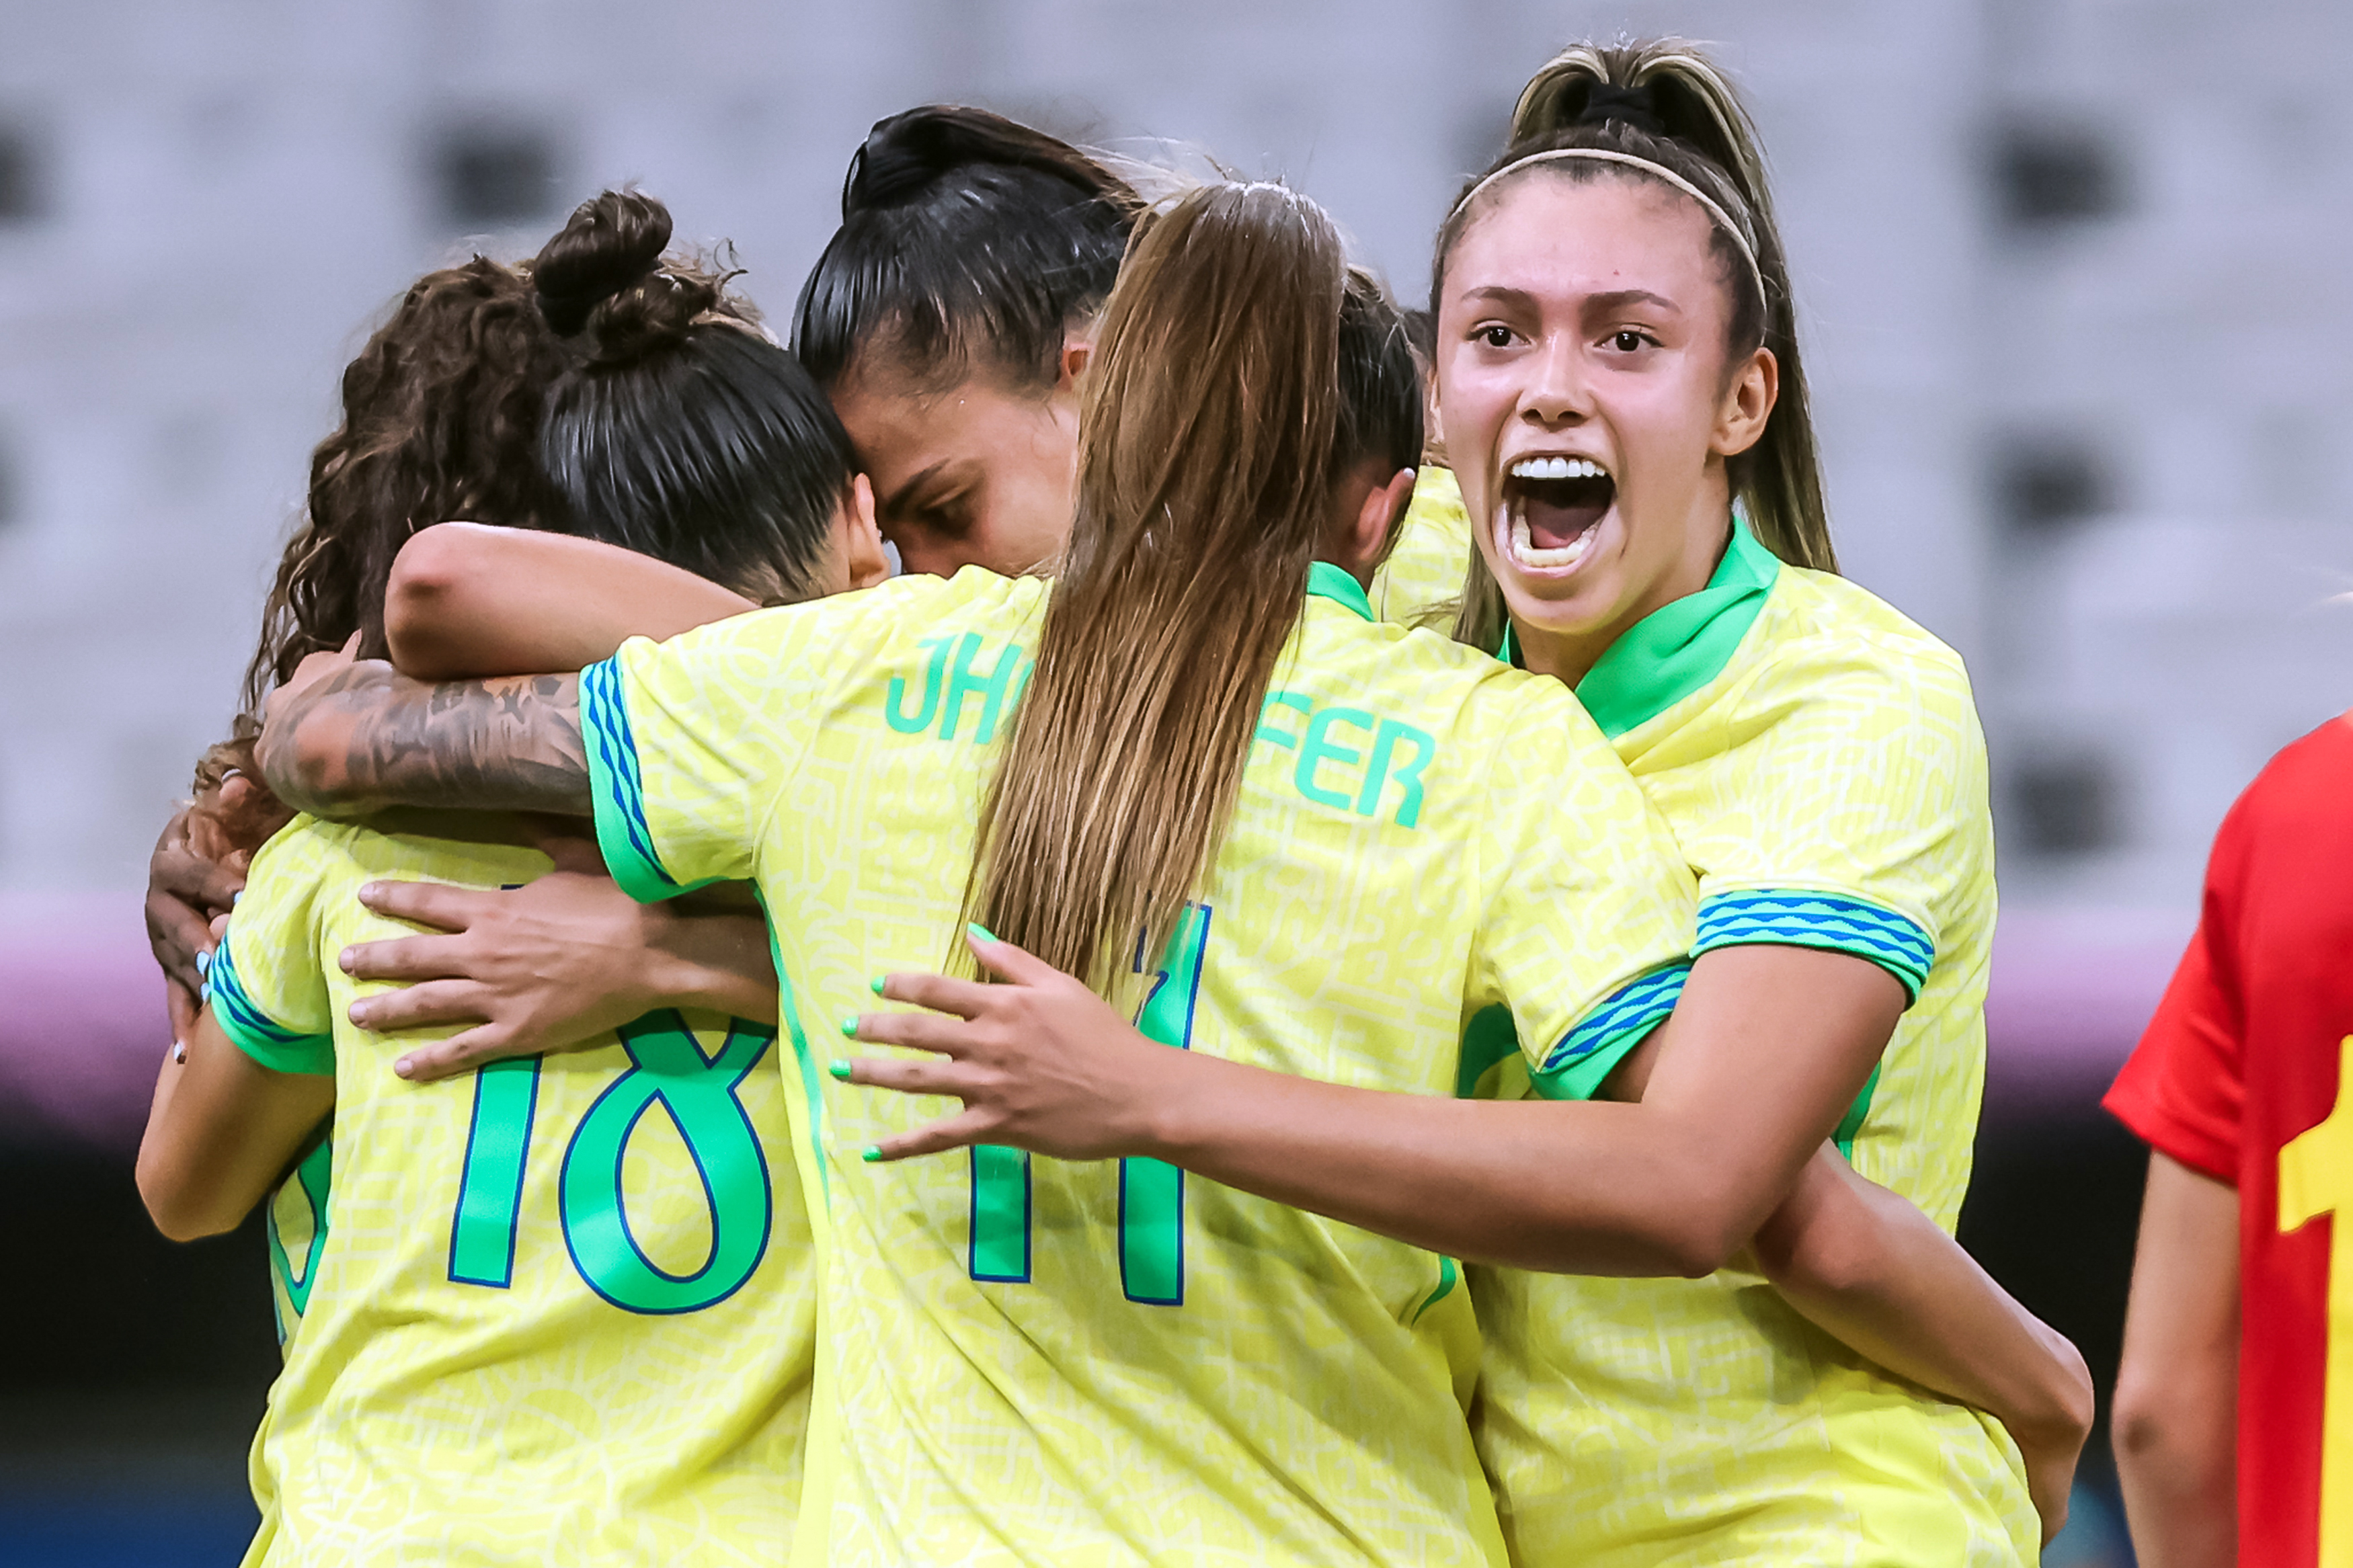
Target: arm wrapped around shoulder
(344, 738)
(468, 600)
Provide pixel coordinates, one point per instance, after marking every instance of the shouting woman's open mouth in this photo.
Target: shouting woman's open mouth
(1551, 508)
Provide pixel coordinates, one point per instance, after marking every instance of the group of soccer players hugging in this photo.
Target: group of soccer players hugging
(1348, 948)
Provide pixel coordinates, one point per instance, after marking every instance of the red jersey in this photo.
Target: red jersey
(2246, 1074)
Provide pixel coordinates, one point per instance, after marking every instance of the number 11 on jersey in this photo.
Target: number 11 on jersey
(1151, 1192)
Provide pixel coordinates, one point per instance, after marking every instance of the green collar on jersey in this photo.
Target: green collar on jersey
(1677, 649)
(1325, 581)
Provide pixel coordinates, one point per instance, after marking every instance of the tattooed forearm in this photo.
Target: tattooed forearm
(367, 738)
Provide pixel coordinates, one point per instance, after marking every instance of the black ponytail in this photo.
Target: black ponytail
(967, 242)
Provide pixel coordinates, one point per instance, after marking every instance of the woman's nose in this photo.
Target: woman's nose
(1557, 394)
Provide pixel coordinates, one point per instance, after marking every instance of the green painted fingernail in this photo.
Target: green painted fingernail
(838, 1068)
(873, 1151)
(875, 984)
(981, 931)
(849, 1025)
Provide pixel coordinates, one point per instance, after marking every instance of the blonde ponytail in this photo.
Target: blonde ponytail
(1207, 459)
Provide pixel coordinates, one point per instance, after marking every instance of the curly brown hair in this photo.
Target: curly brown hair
(441, 419)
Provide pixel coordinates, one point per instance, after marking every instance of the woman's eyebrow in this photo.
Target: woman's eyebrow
(1497, 294)
(1610, 299)
(1619, 299)
(897, 500)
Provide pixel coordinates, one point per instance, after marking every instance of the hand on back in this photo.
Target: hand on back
(548, 966)
(1040, 1062)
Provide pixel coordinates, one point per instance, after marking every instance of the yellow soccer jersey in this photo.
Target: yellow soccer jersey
(1819, 760)
(1420, 584)
(559, 1310)
(1029, 1361)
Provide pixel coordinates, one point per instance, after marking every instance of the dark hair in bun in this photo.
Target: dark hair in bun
(681, 430)
(603, 278)
(967, 241)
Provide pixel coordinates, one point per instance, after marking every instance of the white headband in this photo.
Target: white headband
(1605, 155)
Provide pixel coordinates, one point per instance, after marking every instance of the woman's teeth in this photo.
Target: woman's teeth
(1558, 468)
(1568, 495)
(1525, 552)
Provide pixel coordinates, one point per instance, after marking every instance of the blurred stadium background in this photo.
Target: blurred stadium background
(2069, 272)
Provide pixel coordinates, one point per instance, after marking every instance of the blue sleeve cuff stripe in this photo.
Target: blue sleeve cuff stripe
(255, 1032)
(621, 798)
(231, 1003)
(1634, 1006)
(1798, 917)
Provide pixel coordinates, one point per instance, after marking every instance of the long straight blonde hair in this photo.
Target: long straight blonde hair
(1206, 463)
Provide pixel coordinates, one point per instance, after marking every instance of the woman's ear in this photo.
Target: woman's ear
(1368, 533)
(1748, 404)
(862, 540)
(1078, 350)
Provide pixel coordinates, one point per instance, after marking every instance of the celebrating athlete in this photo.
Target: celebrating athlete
(564, 1309)
(1616, 365)
(1035, 1359)
(1699, 635)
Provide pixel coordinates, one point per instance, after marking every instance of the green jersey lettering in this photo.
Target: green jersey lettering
(1399, 753)
(490, 1183)
(311, 1181)
(1409, 775)
(1151, 1192)
(1001, 685)
(668, 1073)
(1000, 1215)
(1318, 746)
(949, 678)
(894, 709)
(1274, 699)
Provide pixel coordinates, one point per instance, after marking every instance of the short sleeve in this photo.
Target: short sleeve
(2183, 1089)
(1855, 814)
(268, 991)
(1587, 930)
(689, 739)
(693, 743)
